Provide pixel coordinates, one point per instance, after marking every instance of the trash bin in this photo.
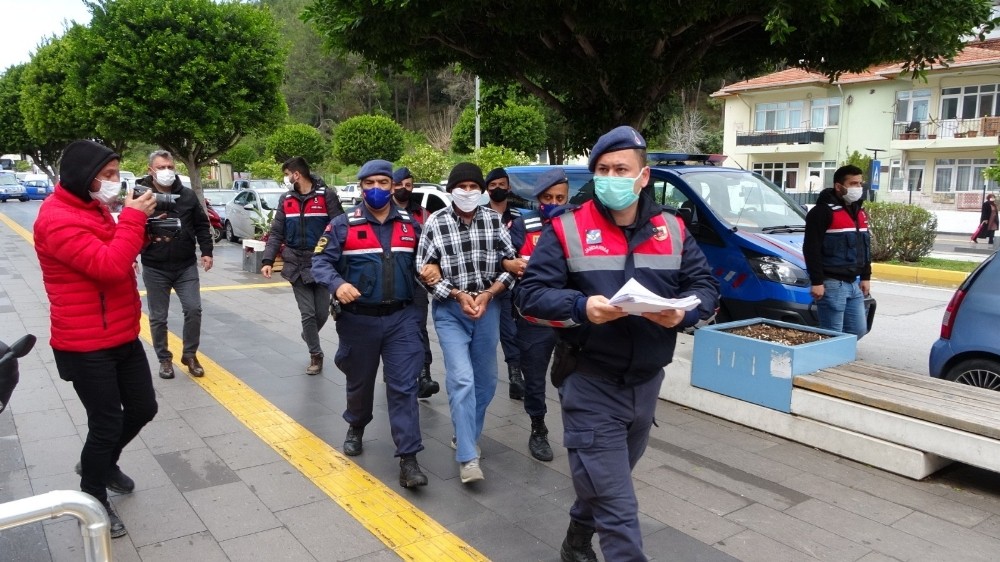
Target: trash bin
(253, 253)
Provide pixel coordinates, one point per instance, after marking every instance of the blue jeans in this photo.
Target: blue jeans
(470, 363)
(842, 308)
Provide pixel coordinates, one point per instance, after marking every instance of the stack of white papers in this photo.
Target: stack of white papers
(634, 298)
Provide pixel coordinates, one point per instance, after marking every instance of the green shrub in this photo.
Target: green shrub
(367, 137)
(426, 164)
(520, 127)
(297, 139)
(266, 169)
(210, 184)
(900, 232)
(240, 157)
(492, 156)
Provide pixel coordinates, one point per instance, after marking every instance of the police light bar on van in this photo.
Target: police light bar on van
(679, 158)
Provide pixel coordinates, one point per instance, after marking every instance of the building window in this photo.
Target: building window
(970, 102)
(912, 105)
(778, 116)
(915, 175)
(825, 113)
(825, 168)
(896, 176)
(962, 174)
(782, 174)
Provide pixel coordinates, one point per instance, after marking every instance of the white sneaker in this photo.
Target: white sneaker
(454, 445)
(470, 471)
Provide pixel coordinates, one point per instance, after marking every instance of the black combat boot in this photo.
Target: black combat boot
(516, 382)
(576, 546)
(410, 475)
(538, 443)
(426, 385)
(353, 442)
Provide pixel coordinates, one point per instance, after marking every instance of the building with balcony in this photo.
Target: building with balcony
(935, 135)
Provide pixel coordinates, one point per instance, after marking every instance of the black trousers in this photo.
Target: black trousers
(116, 388)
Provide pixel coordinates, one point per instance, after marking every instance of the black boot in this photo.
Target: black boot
(576, 546)
(516, 382)
(425, 385)
(353, 441)
(117, 527)
(538, 443)
(410, 475)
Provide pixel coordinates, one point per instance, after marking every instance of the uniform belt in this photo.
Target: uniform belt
(376, 309)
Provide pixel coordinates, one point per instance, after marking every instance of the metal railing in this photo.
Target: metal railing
(783, 136)
(947, 129)
(94, 524)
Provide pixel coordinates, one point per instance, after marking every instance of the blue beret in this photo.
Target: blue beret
(401, 174)
(495, 174)
(619, 138)
(375, 168)
(552, 177)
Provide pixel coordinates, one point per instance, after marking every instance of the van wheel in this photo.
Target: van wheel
(983, 373)
(229, 232)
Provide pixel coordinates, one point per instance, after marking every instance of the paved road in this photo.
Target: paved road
(211, 488)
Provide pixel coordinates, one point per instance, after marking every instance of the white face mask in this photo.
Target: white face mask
(853, 194)
(466, 201)
(108, 193)
(166, 177)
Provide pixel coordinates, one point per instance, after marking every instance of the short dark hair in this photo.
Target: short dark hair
(296, 164)
(849, 170)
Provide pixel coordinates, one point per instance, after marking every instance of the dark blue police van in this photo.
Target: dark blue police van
(750, 230)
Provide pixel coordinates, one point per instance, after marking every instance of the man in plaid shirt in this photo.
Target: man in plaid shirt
(468, 243)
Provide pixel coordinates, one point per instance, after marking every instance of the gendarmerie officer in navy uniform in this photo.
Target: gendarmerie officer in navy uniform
(536, 341)
(608, 364)
(366, 259)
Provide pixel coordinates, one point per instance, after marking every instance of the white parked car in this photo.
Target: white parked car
(349, 194)
(251, 206)
(431, 198)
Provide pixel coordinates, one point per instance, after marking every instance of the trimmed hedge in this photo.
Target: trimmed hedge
(899, 231)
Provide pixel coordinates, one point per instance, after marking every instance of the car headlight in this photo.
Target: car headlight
(779, 270)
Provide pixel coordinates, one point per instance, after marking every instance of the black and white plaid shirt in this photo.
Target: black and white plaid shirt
(469, 254)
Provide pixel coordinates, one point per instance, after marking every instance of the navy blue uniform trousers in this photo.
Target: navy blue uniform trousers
(395, 340)
(536, 344)
(508, 329)
(606, 428)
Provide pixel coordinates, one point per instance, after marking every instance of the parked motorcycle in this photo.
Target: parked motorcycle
(218, 233)
(9, 374)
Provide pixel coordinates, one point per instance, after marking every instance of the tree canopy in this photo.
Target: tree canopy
(192, 76)
(601, 66)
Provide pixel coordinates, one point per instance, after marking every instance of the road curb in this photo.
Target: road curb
(918, 275)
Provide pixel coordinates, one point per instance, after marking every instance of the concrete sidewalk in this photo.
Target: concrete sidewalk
(209, 487)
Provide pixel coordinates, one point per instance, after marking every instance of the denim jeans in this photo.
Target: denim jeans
(186, 284)
(116, 389)
(314, 309)
(842, 308)
(470, 362)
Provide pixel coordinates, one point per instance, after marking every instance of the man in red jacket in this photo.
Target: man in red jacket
(87, 262)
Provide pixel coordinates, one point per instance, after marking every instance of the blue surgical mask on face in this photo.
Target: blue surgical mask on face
(377, 197)
(616, 193)
(546, 209)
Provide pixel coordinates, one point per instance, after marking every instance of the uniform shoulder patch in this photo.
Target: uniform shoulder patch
(404, 215)
(356, 218)
(532, 224)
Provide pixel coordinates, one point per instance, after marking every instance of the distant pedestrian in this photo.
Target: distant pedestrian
(302, 216)
(88, 268)
(366, 260)
(987, 221)
(837, 250)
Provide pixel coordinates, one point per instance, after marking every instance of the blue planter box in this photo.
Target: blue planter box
(759, 371)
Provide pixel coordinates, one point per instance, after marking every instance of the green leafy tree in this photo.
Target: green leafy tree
(617, 64)
(426, 163)
(266, 169)
(493, 156)
(14, 136)
(297, 139)
(517, 126)
(367, 137)
(240, 157)
(860, 160)
(192, 76)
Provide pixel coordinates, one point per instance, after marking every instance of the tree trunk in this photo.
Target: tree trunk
(194, 172)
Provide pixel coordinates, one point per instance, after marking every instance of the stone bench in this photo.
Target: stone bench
(942, 418)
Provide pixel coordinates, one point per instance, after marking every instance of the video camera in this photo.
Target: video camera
(160, 228)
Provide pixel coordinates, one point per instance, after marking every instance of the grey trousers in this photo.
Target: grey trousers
(314, 307)
(186, 284)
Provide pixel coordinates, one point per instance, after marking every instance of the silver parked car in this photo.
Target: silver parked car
(249, 214)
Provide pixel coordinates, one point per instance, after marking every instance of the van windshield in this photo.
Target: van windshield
(746, 201)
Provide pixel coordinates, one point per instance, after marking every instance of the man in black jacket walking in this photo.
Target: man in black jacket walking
(169, 262)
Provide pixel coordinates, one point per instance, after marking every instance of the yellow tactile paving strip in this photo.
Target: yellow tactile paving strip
(409, 532)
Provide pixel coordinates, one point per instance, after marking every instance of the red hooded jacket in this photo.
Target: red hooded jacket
(87, 268)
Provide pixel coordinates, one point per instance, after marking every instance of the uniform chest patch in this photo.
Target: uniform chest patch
(660, 233)
(594, 236)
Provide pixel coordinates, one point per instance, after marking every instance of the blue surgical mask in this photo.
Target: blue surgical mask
(546, 209)
(377, 197)
(616, 192)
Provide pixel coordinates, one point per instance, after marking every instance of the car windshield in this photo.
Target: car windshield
(264, 184)
(8, 179)
(746, 201)
(269, 201)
